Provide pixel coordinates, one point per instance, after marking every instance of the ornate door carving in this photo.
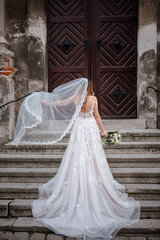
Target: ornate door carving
(67, 41)
(96, 39)
(116, 58)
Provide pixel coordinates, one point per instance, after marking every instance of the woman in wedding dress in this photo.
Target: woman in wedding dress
(83, 200)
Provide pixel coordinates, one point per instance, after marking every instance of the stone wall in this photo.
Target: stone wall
(7, 113)
(25, 31)
(158, 61)
(147, 62)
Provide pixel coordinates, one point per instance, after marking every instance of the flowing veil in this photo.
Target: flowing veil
(50, 114)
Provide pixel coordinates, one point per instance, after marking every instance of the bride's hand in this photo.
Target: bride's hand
(104, 134)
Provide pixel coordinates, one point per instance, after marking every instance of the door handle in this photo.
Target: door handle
(98, 44)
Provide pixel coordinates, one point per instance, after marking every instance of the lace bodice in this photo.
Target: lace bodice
(87, 114)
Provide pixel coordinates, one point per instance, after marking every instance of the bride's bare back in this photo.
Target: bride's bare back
(87, 107)
(88, 104)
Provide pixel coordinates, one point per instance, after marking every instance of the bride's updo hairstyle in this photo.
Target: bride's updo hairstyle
(89, 92)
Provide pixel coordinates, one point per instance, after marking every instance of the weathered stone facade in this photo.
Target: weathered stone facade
(25, 30)
(7, 113)
(158, 62)
(147, 61)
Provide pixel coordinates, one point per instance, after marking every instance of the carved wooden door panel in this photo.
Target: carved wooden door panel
(67, 41)
(96, 39)
(116, 59)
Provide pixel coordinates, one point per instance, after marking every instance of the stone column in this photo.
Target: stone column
(7, 113)
(147, 62)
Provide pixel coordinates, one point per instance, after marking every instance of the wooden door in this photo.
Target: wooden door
(67, 41)
(96, 39)
(116, 58)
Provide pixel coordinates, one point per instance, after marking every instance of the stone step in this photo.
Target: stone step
(30, 191)
(144, 135)
(59, 148)
(42, 175)
(43, 161)
(27, 224)
(124, 124)
(22, 208)
(9, 235)
(140, 135)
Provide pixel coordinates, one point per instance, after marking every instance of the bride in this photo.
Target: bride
(83, 200)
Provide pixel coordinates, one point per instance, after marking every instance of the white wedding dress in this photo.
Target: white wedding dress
(83, 200)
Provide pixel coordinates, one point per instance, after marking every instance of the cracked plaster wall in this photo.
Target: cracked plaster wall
(25, 31)
(158, 61)
(147, 62)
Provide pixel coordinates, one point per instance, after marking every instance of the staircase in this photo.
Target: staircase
(135, 163)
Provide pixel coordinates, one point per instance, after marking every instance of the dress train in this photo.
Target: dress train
(83, 200)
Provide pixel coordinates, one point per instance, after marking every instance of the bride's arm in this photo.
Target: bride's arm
(98, 119)
(58, 102)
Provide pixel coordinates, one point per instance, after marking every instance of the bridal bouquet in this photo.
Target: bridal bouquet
(113, 138)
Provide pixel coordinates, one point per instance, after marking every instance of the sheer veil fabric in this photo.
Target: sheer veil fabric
(52, 112)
